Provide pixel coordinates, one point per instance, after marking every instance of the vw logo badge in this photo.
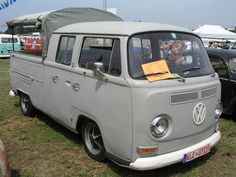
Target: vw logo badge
(199, 113)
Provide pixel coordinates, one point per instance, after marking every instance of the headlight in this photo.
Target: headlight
(159, 126)
(218, 110)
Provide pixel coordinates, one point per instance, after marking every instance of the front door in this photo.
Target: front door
(105, 100)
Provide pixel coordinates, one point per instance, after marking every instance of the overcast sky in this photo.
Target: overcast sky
(187, 13)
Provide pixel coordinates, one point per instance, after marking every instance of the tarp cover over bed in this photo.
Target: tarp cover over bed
(52, 20)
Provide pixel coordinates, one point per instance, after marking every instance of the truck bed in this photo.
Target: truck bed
(26, 75)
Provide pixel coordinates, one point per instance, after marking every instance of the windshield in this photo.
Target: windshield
(183, 53)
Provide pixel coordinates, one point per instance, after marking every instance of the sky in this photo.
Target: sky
(186, 13)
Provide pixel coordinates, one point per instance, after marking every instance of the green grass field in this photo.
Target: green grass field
(39, 147)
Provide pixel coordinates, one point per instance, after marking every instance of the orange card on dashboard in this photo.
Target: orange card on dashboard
(157, 70)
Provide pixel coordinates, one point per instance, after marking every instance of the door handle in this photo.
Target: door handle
(68, 83)
(55, 79)
(75, 86)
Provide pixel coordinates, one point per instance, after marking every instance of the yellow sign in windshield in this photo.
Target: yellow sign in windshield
(157, 70)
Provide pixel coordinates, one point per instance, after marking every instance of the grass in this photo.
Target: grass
(39, 147)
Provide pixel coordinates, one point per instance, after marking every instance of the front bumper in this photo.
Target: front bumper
(149, 163)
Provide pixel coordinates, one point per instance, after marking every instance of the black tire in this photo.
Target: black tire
(93, 143)
(26, 105)
(234, 114)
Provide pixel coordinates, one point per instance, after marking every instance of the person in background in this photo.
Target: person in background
(176, 58)
(210, 45)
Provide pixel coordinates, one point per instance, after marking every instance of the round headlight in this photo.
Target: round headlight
(159, 126)
(218, 110)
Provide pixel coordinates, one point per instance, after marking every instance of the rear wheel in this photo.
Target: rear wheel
(26, 105)
(93, 142)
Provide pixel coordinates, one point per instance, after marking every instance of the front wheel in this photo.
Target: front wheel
(93, 142)
(26, 105)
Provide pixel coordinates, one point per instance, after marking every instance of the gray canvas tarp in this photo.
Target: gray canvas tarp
(52, 20)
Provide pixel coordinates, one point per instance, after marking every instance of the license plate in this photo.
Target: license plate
(197, 153)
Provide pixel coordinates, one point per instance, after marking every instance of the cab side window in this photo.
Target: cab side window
(104, 50)
(65, 50)
(219, 66)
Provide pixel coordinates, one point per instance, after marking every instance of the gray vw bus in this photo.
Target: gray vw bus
(96, 80)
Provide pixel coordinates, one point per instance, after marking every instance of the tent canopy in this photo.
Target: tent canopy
(52, 20)
(215, 32)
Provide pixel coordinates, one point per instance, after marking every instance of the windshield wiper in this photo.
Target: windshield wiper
(151, 74)
(191, 69)
(180, 79)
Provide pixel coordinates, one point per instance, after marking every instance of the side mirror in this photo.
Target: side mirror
(98, 70)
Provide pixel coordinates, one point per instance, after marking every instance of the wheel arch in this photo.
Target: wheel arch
(85, 118)
(19, 91)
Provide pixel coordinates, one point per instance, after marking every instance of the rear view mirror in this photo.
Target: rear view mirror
(98, 70)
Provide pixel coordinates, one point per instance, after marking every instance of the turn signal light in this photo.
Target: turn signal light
(147, 150)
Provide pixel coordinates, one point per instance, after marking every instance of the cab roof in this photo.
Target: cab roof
(118, 28)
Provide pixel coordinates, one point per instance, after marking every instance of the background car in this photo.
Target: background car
(224, 63)
(233, 47)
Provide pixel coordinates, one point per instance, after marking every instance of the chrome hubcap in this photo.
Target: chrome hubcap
(24, 103)
(93, 138)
